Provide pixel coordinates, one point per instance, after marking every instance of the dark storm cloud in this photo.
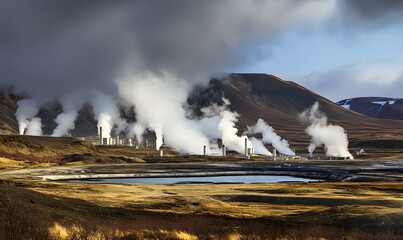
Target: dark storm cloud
(356, 80)
(49, 48)
(371, 12)
(52, 47)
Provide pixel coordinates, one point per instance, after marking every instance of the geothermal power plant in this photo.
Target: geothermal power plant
(252, 145)
(184, 133)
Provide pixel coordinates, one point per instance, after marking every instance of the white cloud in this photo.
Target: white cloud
(356, 80)
(381, 74)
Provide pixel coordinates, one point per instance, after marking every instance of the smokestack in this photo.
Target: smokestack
(223, 150)
(100, 136)
(204, 150)
(275, 154)
(246, 146)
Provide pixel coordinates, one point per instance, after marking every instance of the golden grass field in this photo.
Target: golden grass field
(282, 201)
(38, 209)
(220, 211)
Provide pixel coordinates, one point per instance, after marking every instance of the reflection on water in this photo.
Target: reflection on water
(202, 180)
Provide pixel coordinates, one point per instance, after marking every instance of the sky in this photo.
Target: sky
(341, 58)
(54, 49)
(151, 54)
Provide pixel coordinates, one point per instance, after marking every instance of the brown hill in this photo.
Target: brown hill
(85, 123)
(8, 107)
(41, 149)
(253, 96)
(280, 102)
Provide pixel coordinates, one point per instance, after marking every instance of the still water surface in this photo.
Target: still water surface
(201, 180)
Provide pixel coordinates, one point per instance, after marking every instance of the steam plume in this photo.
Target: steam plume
(106, 113)
(157, 50)
(211, 119)
(229, 132)
(220, 122)
(269, 136)
(159, 102)
(71, 104)
(34, 127)
(65, 122)
(27, 109)
(137, 130)
(333, 137)
(259, 147)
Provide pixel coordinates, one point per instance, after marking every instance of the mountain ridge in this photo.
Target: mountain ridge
(277, 101)
(378, 107)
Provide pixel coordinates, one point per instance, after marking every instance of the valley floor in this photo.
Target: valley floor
(71, 210)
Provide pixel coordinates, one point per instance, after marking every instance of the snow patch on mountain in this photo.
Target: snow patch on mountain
(345, 103)
(384, 102)
(379, 107)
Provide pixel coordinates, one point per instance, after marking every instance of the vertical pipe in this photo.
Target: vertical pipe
(275, 154)
(223, 150)
(246, 146)
(204, 150)
(100, 136)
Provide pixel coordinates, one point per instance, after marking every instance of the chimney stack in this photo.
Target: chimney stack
(100, 136)
(223, 150)
(204, 150)
(246, 146)
(275, 154)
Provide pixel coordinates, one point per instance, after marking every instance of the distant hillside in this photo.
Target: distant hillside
(253, 96)
(8, 106)
(280, 102)
(378, 107)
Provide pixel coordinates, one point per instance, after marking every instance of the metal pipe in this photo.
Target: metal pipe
(246, 146)
(100, 136)
(275, 154)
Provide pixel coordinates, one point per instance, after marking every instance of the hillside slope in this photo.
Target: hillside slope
(280, 102)
(8, 106)
(253, 96)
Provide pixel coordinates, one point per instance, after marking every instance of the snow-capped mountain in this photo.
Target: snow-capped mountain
(379, 107)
